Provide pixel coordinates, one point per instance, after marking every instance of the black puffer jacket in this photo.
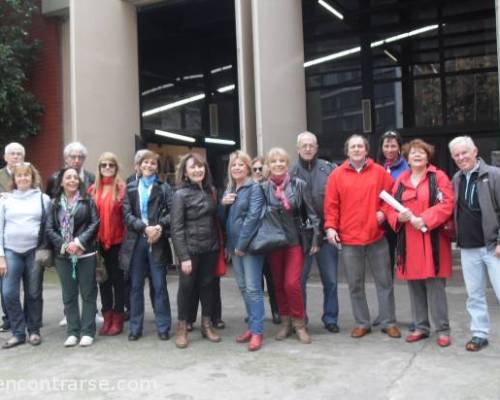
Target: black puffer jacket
(193, 221)
(86, 224)
(301, 211)
(159, 206)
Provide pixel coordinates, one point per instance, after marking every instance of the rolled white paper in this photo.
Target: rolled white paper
(395, 204)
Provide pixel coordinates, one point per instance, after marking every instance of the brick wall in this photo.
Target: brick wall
(45, 149)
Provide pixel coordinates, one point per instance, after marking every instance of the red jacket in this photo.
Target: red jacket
(419, 259)
(351, 202)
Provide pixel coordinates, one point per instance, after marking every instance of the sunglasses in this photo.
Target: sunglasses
(390, 134)
(107, 165)
(257, 169)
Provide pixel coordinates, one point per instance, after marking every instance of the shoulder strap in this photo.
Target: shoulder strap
(433, 189)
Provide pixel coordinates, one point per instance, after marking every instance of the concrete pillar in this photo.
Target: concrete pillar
(280, 99)
(246, 87)
(104, 78)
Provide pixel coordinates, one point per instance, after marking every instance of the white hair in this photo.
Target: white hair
(75, 146)
(463, 140)
(138, 156)
(305, 134)
(11, 147)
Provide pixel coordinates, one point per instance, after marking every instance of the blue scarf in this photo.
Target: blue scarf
(144, 192)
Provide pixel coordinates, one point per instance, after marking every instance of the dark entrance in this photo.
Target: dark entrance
(188, 80)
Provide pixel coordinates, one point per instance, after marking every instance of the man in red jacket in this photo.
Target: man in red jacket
(353, 221)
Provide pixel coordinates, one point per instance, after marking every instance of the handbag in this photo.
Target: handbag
(43, 254)
(220, 265)
(101, 273)
(270, 234)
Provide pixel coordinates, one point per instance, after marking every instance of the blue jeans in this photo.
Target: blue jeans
(476, 263)
(327, 260)
(142, 262)
(248, 274)
(21, 267)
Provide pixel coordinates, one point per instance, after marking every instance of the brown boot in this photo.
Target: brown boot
(181, 335)
(285, 329)
(300, 329)
(207, 330)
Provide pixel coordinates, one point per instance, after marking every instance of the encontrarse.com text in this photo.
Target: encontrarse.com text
(76, 385)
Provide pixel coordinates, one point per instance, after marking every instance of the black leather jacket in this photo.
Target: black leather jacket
(193, 221)
(159, 206)
(301, 210)
(315, 173)
(86, 224)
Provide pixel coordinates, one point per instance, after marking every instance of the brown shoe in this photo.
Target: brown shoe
(285, 329)
(359, 332)
(392, 331)
(300, 329)
(181, 335)
(207, 330)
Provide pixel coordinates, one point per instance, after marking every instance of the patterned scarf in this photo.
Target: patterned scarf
(145, 184)
(66, 218)
(279, 183)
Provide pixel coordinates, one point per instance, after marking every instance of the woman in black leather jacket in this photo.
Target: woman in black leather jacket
(288, 194)
(72, 229)
(195, 242)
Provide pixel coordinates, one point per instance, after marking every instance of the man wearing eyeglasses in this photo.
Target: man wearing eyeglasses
(75, 155)
(13, 154)
(315, 172)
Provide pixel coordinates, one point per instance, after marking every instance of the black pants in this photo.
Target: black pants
(217, 308)
(197, 285)
(266, 271)
(113, 290)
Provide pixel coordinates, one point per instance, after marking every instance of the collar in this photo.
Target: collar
(308, 165)
(358, 169)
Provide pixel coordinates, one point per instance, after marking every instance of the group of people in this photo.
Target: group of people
(303, 211)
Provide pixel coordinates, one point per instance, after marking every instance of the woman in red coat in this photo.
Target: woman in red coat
(424, 249)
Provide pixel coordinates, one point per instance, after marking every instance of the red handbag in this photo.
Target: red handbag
(221, 264)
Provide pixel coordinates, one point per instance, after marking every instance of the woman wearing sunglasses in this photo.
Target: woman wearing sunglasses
(108, 193)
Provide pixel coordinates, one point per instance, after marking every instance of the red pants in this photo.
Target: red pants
(286, 268)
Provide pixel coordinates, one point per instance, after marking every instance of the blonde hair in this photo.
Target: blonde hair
(117, 183)
(26, 166)
(276, 152)
(245, 158)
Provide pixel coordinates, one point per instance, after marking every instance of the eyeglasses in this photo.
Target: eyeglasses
(15, 153)
(77, 156)
(390, 134)
(257, 169)
(107, 165)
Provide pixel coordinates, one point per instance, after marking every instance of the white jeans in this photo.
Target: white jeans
(475, 263)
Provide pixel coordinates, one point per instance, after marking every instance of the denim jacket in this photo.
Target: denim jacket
(243, 216)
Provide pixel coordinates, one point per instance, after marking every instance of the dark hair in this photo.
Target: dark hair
(419, 144)
(356, 135)
(392, 134)
(59, 189)
(180, 173)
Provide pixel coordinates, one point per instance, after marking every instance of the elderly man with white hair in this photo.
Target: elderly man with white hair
(13, 154)
(315, 172)
(477, 195)
(74, 155)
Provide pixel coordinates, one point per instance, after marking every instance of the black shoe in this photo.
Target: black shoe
(333, 328)
(13, 342)
(134, 336)
(164, 336)
(189, 327)
(126, 316)
(219, 324)
(276, 318)
(5, 326)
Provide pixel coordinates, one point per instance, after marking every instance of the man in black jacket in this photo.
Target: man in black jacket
(316, 172)
(74, 155)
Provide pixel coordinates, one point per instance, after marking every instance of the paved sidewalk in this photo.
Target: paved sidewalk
(334, 366)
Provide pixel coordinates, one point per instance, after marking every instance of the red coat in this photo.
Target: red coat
(419, 259)
(351, 202)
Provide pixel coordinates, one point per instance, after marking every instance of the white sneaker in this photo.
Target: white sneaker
(86, 341)
(99, 319)
(71, 341)
(63, 322)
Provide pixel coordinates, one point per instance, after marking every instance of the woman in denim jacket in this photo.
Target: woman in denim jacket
(244, 200)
